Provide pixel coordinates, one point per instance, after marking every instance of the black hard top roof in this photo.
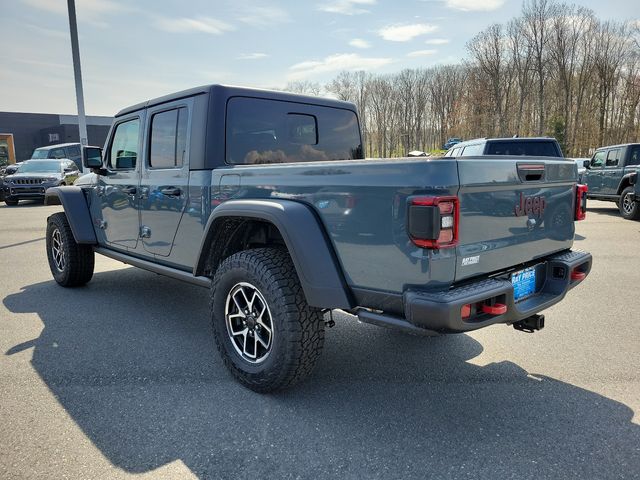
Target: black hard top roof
(620, 145)
(223, 92)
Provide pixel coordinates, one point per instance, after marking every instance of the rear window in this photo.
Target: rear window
(517, 148)
(272, 131)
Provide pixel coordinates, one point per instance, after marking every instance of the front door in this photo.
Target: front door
(593, 175)
(165, 177)
(118, 191)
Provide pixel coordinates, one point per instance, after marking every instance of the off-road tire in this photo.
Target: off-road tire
(77, 268)
(298, 329)
(629, 211)
(11, 202)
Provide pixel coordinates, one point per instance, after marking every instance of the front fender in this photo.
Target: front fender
(77, 212)
(310, 249)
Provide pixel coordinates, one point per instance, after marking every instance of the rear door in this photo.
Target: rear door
(612, 173)
(165, 178)
(513, 211)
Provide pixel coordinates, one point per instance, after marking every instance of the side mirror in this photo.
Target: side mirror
(586, 163)
(92, 157)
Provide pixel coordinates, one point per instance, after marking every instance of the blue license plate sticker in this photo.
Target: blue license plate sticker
(524, 283)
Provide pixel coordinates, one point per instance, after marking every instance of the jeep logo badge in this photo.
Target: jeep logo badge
(530, 206)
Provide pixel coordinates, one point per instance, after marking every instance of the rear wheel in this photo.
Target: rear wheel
(266, 333)
(628, 205)
(12, 202)
(71, 264)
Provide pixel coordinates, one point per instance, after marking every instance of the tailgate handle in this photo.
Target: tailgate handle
(531, 172)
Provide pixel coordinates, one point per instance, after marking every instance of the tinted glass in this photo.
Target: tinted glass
(612, 157)
(272, 131)
(73, 151)
(168, 139)
(57, 153)
(124, 147)
(518, 148)
(634, 156)
(598, 159)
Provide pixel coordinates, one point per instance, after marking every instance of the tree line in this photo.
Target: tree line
(555, 70)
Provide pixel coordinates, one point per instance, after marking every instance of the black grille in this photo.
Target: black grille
(28, 181)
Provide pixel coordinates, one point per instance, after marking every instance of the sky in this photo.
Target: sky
(133, 51)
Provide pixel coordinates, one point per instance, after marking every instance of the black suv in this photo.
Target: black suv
(515, 147)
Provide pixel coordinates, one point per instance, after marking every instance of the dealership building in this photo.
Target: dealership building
(21, 133)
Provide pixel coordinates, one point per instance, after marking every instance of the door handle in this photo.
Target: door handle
(129, 190)
(171, 191)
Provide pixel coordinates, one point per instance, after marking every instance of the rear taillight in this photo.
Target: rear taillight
(433, 221)
(581, 202)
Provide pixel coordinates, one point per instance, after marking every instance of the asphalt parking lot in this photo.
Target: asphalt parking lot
(121, 378)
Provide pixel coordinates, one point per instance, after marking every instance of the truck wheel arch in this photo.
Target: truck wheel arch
(302, 234)
(77, 212)
(625, 182)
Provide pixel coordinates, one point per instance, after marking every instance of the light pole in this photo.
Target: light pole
(75, 53)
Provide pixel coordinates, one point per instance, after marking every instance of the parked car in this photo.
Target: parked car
(581, 168)
(70, 151)
(259, 197)
(450, 143)
(609, 177)
(33, 177)
(514, 147)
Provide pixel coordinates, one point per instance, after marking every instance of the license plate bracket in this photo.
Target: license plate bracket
(524, 283)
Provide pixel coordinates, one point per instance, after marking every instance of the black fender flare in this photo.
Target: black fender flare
(77, 212)
(310, 249)
(626, 181)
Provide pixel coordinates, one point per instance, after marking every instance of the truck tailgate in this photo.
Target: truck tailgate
(513, 210)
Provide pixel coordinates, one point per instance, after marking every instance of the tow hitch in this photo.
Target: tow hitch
(530, 324)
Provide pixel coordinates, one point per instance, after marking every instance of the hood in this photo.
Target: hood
(16, 176)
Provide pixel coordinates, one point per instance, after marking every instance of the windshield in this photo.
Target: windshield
(39, 153)
(41, 167)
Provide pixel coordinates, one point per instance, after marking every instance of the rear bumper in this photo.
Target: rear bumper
(442, 311)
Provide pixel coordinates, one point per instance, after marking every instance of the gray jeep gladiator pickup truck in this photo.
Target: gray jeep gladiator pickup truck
(265, 198)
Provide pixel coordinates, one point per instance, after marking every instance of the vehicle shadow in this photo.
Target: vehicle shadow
(131, 359)
(611, 211)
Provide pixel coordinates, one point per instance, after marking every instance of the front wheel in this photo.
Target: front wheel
(628, 205)
(71, 264)
(266, 333)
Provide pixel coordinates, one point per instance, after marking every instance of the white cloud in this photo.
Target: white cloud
(90, 11)
(475, 5)
(335, 63)
(346, 7)
(359, 43)
(437, 41)
(422, 53)
(260, 16)
(198, 24)
(252, 56)
(404, 33)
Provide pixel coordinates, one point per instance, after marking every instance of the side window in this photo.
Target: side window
(472, 150)
(612, 157)
(123, 153)
(73, 151)
(598, 159)
(455, 152)
(168, 139)
(261, 131)
(57, 153)
(634, 156)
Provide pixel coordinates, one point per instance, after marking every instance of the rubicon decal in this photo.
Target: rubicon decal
(530, 206)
